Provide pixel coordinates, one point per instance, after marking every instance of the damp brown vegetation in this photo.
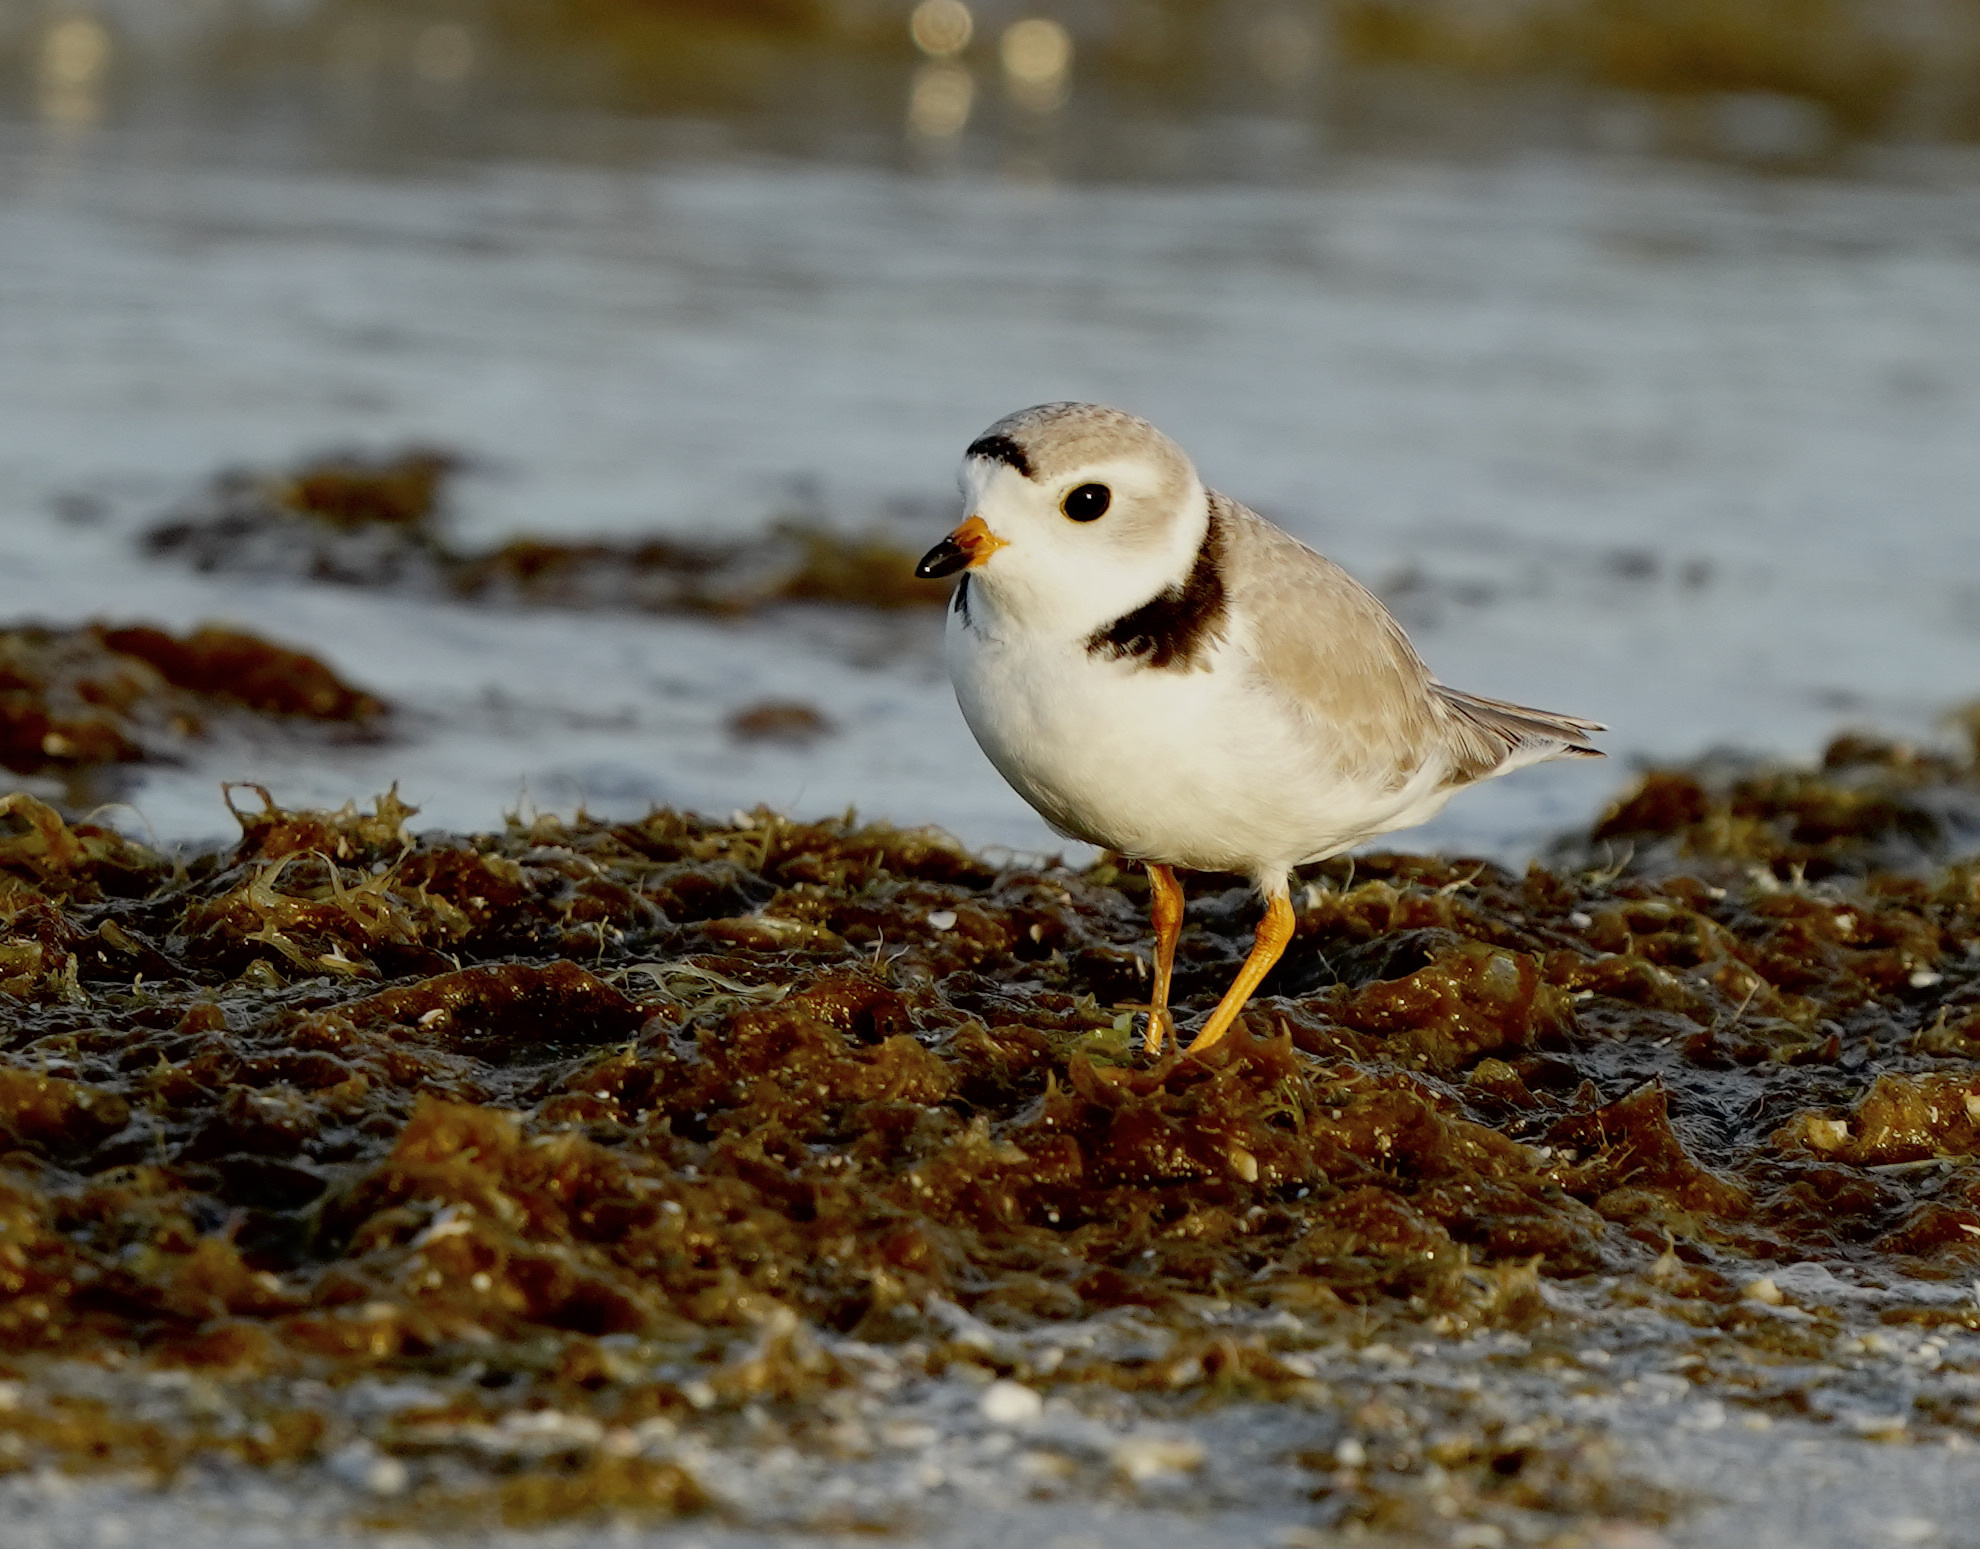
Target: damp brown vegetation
(1841, 54)
(112, 694)
(381, 522)
(605, 1132)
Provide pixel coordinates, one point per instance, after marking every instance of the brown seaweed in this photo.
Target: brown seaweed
(650, 1118)
(380, 522)
(112, 694)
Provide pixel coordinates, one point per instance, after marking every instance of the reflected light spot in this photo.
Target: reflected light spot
(74, 54)
(1037, 56)
(443, 53)
(941, 28)
(1036, 50)
(940, 100)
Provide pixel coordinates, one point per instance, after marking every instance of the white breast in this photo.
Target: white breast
(1202, 769)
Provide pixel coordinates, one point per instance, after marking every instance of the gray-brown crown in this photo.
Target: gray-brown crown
(1045, 442)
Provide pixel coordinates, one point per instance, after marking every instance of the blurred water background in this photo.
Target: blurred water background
(1631, 350)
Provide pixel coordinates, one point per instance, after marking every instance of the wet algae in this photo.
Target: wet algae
(380, 521)
(105, 694)
(613, 1134)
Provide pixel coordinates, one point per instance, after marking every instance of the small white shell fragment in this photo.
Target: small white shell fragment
(942, 919)
(908, 1435)
(1244, 1164)
(553, 1425)
(1145, 1457)
(1973, 1106)
(1763, 1290)
(1580, 920)
(1829, 1134)
(1925, 978)
(1010, 1403)
(363, 1467)
(1350, 1453)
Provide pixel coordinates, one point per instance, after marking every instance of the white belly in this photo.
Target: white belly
(1201, 769)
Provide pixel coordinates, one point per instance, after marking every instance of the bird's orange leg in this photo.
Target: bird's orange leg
(1274, 931)
(1166, 908)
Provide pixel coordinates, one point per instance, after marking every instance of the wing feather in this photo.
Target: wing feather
(1325, 644)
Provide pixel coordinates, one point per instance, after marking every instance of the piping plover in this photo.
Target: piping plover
(1164, 673)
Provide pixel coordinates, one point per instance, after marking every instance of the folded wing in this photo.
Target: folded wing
(1326, 644)
(1494, 736)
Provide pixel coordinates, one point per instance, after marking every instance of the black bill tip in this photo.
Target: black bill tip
(945, 559)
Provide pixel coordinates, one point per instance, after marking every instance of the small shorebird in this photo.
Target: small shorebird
(1164, 673)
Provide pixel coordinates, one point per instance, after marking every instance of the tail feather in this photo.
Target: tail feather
(1498, 736)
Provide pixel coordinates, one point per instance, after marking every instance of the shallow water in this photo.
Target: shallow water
(1689, 450)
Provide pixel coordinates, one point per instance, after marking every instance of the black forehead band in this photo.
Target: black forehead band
(1001, 449)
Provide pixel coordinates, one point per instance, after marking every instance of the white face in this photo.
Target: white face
(1079, 548)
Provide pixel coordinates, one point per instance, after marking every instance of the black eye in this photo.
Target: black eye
(1087, 502)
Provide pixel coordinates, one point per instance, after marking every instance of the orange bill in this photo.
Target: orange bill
(964, 549)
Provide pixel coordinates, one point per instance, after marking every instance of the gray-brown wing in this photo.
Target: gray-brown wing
(1329, 647)
(1326, 645)
(1522, 734)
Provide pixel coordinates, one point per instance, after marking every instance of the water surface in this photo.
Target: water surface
(1687, 449)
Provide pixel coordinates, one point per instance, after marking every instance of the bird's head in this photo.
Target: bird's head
(1077, 514)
